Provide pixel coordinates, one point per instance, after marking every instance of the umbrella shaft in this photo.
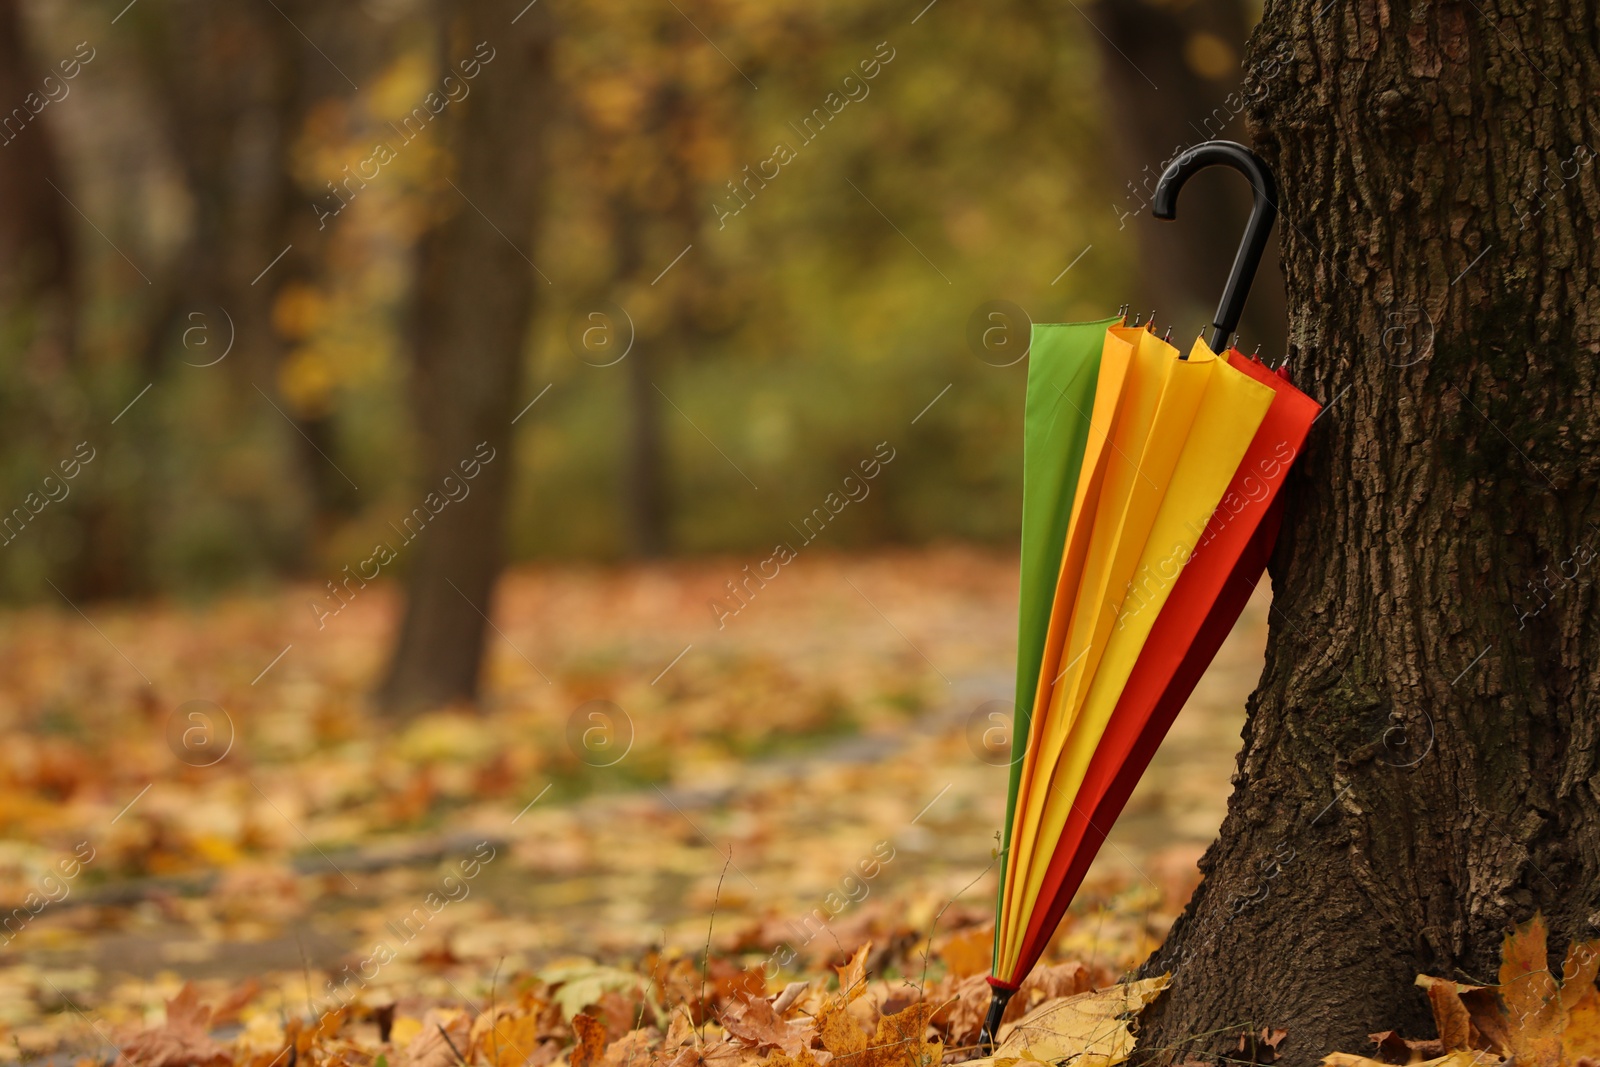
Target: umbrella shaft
(997, 1007)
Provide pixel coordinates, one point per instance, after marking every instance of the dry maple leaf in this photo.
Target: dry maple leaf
(853, 975)
(1529, 1017)
(759, 1026)
(901, 1041)
(184, 1041)
(838, 1030)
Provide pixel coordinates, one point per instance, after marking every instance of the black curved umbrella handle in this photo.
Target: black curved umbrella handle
(1256, 231)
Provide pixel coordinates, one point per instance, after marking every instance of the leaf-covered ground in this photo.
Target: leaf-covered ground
(199, 808)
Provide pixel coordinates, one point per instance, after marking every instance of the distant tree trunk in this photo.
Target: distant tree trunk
(38, 267)
(475, 291)
(1172, 79)
(644, 477)
(647, 473)
(1420, 759)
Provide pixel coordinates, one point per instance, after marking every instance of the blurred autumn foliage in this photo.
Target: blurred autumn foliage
(203, 140)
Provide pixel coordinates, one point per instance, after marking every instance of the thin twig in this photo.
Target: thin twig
(459, 1058)
(705, 964)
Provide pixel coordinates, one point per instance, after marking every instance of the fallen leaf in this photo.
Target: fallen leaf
(968, 952)
(440, 1042)
(1531, 997)
(1090, 1028)
(1051, 983)
(510, 1042)
(1459, 1058)
(1581, 1001)
(790, 995)
(900, 1042)
(839, 1032)
(632, 1048)
(853, 975)
(1529, 1017)
(1392, 1048)
(759, 1026)
(591, 1044)
(577, 986)
(183, 1042)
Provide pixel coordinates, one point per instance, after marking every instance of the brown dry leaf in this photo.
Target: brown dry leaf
(1260, 1048)
(968, 952)
(962, 1008)
(591, 1043)
(1451, 1016)
(1051, 983)
(838, 1030)
(805, 1058)
(853, 975)
(440, 1041)
(1581, 1000)
(183, 1042)
(1529, 1017)
(789, 997)
(900, 1042)
(1090, 1028)
(759, 1026)
(1532, 1000)
(1392, 1048)
(631, 1049)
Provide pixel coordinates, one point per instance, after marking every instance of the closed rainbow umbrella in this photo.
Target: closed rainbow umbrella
(1150, 503)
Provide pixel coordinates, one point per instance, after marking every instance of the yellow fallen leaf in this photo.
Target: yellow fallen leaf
(406, 1028)
(1092, 1029)
(582, 984)
(1458, 1058)
(1531, 1017)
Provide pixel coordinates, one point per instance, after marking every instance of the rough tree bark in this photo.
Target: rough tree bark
(475, 292)
(1420, 761)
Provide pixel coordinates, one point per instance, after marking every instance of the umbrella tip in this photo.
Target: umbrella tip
(998, 999)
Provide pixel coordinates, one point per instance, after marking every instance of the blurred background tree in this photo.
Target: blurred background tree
(278, 337)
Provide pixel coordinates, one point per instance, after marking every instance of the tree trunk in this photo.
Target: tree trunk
(644, 482)
(647, 473)
(38, 267)
(475, 290)
(1420, 759)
